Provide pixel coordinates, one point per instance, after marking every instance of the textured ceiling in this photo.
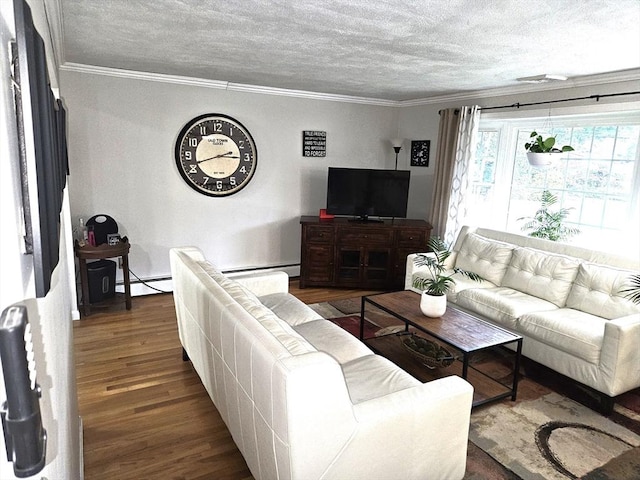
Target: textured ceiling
(394, 50)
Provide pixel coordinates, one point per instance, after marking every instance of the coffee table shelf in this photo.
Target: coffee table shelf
(466, 334)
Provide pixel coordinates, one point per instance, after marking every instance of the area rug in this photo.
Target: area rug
(351, 308)
(551, 437)
(351, 324)
(545, 434)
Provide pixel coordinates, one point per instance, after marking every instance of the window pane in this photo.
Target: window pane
(603, 142)
(627, 142)
(581, 140)
(483, 174)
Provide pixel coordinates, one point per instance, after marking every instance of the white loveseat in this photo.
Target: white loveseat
(564, 300)
(304, 399)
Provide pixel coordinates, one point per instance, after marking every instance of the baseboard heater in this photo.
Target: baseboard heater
(149, 286)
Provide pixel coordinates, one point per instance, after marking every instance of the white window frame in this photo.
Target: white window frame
(507, 124)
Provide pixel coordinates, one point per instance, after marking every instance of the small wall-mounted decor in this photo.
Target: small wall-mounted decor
(314, 143)
(420, 153)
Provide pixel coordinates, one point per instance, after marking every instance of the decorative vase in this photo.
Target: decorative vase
(542, 159)
(433, 306)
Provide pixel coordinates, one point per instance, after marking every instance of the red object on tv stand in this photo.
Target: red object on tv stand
(324, 214)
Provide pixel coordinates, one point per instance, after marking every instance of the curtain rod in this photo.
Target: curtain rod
(590, 97)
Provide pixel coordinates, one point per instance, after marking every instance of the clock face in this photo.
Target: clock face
(216, 155)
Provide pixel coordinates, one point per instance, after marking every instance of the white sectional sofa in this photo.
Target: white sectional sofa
(564, 300)
(304, 399)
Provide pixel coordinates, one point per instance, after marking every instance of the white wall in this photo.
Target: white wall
(50, 317)
(121, 147)
(122, 133)
(420, 122)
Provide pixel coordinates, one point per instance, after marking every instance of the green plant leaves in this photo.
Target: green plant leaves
(542, 145)
(549, 224)
(548, 143)
(633, 292)
(437, 283)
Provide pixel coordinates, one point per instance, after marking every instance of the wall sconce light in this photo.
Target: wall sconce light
(397, 146)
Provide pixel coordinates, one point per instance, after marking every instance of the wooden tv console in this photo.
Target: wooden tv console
(341, 252)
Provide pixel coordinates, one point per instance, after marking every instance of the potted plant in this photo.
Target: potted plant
(541, 151)
(633, 292)
(433, 301)
(549, 224)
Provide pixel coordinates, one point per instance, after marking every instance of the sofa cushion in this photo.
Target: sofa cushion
(596, 290)
(463, 283)
(571, 331)
(373, 376)
(327, 337)
(487, 258)
(541, 274)
(289, 308)
(501, 305)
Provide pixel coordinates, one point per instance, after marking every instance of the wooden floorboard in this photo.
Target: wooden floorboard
(145, 412)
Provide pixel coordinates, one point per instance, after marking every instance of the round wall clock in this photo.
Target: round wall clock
(216, 155)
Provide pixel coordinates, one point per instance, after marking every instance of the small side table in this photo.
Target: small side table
(88, 252)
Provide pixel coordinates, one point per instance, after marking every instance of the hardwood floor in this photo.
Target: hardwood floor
(145, 413)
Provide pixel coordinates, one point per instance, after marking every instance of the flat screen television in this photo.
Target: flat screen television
(364, 193)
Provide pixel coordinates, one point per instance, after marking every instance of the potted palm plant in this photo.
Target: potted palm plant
(433, 302)
(542, 151)
(549, 224)
(633, 292)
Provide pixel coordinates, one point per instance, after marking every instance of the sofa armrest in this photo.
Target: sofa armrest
(449, 395)
(620, 354)
(432, 418)
(263, 283)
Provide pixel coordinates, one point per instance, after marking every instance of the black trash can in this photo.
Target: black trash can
(102, 280)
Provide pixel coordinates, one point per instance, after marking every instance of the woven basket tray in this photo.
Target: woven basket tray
(427, 352)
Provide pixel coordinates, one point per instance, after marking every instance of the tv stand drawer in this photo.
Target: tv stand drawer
(365, 236)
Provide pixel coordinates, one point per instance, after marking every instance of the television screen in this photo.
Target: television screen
(364, 193)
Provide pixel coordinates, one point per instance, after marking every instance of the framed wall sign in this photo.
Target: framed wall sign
(420, 153)
(314, 143)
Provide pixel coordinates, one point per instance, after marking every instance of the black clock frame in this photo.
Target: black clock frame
(179, 161)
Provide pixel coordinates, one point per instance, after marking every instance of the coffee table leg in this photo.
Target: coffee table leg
(362, 318)
(516, 370)
(465, 365)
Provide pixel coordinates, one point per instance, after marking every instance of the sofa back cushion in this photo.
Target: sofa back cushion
(281, 330)
(597, 290)
(541, 274)
(487, 258)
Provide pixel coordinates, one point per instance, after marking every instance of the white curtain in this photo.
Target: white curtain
(457, 136)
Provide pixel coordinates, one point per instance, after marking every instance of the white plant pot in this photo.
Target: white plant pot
(543, 159)
(433, 306)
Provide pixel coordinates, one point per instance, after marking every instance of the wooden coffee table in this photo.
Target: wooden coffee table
(463, 332)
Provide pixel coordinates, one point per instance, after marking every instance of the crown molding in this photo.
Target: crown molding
(585, 81)
(55, 22)
(152, 77)
(312, 95)
(221, 85)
